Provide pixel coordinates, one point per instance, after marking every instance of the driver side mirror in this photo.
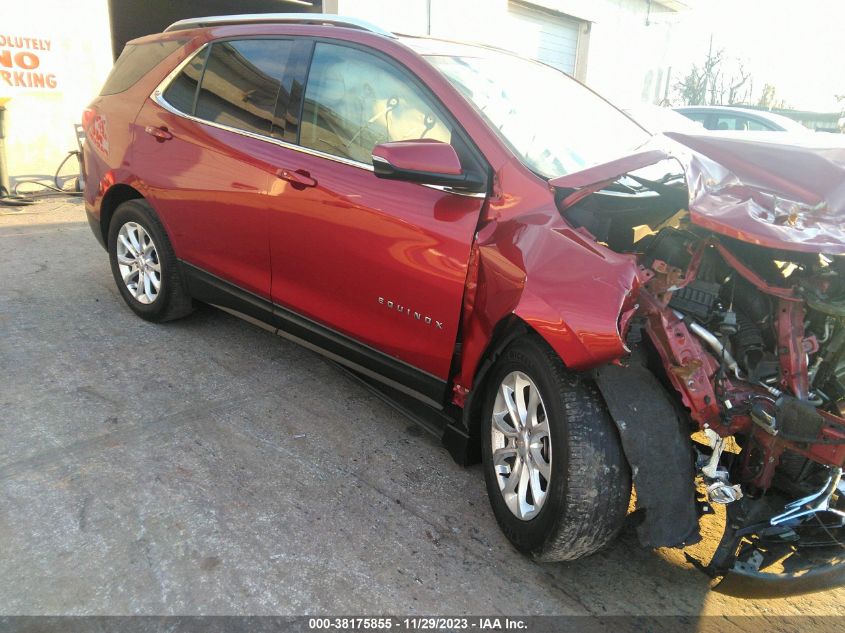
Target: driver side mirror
(424, 161)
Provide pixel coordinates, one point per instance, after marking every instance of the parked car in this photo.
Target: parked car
(575, 302)
(658, 119)
(724, 118)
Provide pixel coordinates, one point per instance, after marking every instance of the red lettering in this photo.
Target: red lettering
(27, 60)
(22, 59)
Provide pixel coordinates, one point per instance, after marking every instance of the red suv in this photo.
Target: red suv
(574, 302)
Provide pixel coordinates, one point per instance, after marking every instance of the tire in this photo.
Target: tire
(135, 221)
(586, 495)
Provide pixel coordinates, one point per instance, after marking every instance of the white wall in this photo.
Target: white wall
(467, 20)
(627, 60)
(39, 121)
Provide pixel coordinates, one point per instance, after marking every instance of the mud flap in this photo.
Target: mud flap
(659, 452)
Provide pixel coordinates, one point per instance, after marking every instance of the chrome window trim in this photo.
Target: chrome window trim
(158, 97)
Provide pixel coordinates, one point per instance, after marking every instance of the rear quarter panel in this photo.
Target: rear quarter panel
(109, 132)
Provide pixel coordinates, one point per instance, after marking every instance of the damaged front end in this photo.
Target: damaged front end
(741, 314)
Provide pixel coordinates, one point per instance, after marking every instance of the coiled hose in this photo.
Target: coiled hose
(16, 199)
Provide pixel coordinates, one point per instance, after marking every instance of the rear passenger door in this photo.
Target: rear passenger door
(202, 146)
(378, 267)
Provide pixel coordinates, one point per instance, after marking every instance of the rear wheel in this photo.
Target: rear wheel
(556, 475)
(143, 264)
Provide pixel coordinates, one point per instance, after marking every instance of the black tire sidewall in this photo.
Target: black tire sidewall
(139, 212)
(529, 536)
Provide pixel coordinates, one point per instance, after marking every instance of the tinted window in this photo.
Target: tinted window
(183, 89)
(738, 124)
(701, 117)
(355, 100)
(758, 126)
(241, 83)
(134, 62)
(725, 123)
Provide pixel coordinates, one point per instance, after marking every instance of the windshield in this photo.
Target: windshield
(552, 122)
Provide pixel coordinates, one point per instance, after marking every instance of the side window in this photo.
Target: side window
(355, 100)
(183, 89)
(737, 123)
(740, 124)
(758, 126)
(699, 117)
(242, 82)
(728, 122)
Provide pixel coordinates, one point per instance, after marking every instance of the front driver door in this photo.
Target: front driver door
(380, 264)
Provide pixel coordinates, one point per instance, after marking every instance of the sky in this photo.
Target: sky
(796, 45)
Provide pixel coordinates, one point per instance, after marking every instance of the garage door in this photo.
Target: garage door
(548, 37)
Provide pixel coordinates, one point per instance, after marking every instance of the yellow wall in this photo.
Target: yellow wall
(39, 120)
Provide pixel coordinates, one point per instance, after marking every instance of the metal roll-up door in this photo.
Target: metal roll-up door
(552, 38)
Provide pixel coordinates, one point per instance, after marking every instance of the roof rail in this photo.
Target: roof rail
(278, 18)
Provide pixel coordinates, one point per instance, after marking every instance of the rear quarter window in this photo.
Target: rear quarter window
(182, 91)
(135, 61)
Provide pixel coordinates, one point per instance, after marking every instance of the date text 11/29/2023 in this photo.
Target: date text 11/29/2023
(421, 623)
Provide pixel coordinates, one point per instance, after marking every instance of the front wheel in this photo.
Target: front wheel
(556, 476)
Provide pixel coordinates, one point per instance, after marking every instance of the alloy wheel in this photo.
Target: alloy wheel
(522, 451)
(138, 262)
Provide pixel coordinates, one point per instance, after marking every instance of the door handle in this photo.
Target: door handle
(161, 134)
(300, 179)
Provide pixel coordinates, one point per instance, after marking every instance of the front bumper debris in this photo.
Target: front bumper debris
(797, 549)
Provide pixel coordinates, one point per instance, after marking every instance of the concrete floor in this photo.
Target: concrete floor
(208, 467)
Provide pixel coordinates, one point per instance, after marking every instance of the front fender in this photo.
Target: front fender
(537, 272)
(549, 323)
(575, 293)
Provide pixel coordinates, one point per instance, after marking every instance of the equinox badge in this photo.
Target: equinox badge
(392, 305)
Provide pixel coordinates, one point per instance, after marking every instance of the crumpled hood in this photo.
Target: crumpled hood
(774, 189)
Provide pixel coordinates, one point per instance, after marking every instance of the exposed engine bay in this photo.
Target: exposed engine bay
(750, 342)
